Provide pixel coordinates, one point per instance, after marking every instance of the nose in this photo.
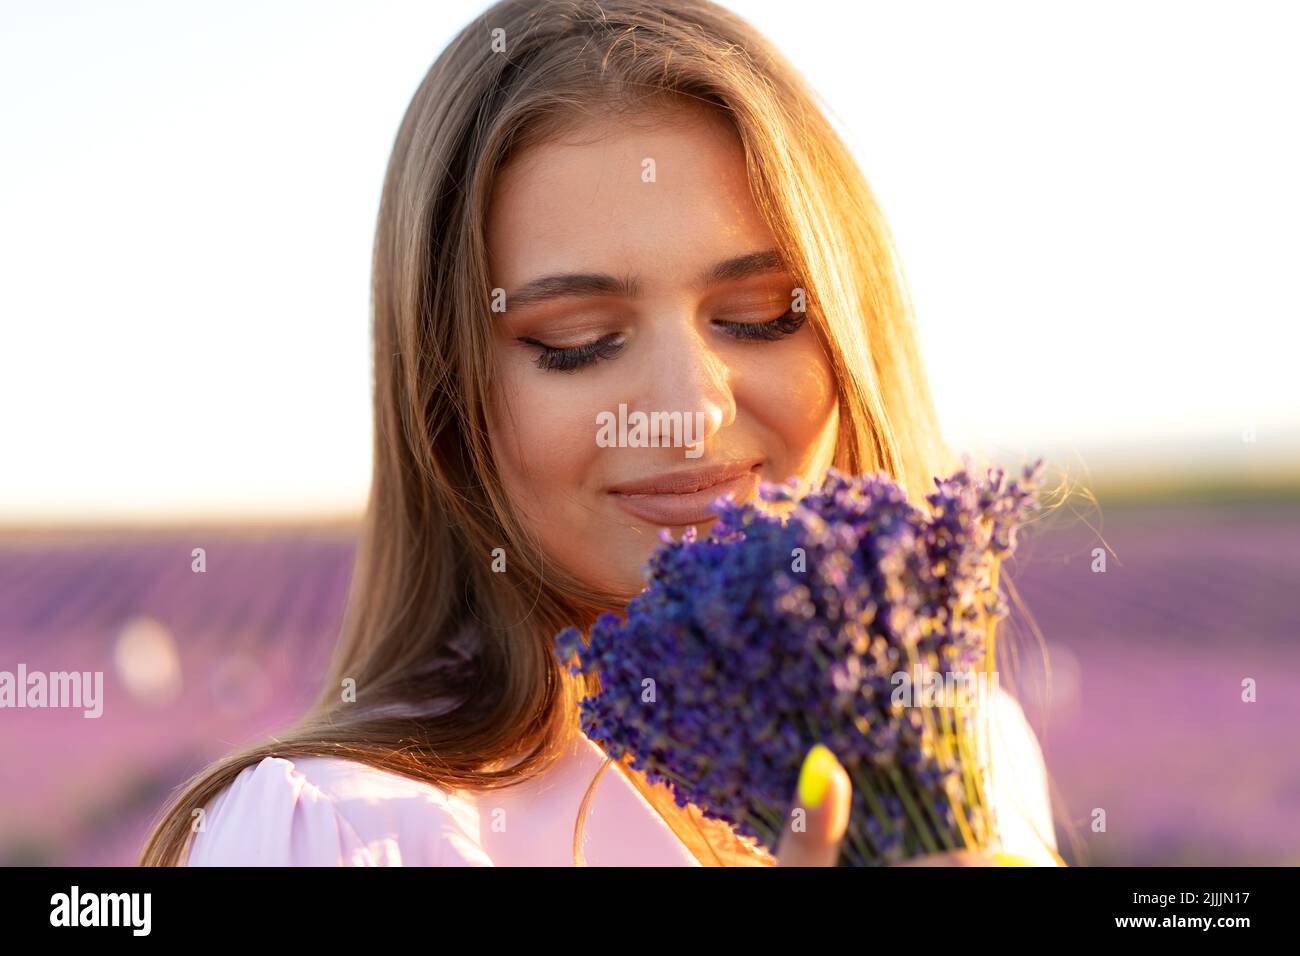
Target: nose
(691, 378)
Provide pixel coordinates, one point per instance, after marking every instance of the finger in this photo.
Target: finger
(819, 814)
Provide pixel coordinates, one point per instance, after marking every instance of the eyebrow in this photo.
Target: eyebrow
(582, 284)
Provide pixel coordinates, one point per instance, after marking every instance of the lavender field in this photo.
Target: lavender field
(1145, 719)
(1147, 662)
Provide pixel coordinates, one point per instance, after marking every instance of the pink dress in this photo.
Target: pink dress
(323, 811)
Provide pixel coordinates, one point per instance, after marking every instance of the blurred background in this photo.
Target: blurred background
(1095, 209)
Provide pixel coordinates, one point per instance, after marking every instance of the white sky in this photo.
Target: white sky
(1097, 208)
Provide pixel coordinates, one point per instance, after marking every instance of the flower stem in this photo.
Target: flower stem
(922, 831)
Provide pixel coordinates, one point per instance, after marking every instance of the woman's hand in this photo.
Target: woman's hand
(820, 812)
(819, 816)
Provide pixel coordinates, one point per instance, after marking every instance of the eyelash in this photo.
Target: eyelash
(770, 331)
(572, 359)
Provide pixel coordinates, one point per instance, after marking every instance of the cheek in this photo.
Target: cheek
(793, 395)
(543, 432)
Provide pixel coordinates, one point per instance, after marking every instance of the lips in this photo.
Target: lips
(683, 497)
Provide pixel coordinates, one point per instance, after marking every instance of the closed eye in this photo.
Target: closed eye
(571, 359)
(770, 331)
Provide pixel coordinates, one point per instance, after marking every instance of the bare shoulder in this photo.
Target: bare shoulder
(326, 811)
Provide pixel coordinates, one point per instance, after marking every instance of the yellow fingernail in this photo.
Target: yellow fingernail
(815, 776)
(1012, 859)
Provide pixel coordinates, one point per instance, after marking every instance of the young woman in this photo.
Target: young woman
(589, 205)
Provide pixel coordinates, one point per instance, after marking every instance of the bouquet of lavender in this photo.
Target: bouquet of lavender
(777, 632)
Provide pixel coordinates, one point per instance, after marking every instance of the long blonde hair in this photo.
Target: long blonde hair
(422, 585)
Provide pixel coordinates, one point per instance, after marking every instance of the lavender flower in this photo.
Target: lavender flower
(774, 633)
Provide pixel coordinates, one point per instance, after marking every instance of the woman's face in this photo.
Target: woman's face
(651, 352)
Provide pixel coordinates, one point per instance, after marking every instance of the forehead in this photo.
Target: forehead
(655, 195)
